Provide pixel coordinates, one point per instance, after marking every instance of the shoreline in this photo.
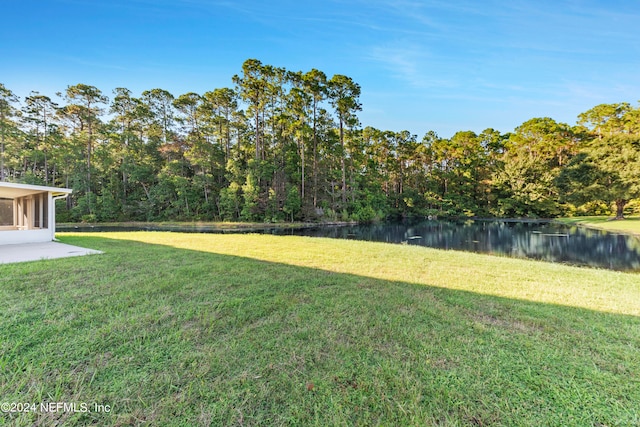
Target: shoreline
(596, 223)
(198, 226)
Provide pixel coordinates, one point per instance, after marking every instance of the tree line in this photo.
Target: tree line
(286, 146)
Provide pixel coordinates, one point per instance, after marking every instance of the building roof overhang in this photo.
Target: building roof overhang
(10, 190)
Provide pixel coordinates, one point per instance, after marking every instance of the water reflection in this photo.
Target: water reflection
(536, 240)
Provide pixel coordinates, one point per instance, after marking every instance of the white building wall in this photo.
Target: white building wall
(9, 236)
(15, 237)
(51, 217)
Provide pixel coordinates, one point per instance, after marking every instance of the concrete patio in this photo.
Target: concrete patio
(40, 251)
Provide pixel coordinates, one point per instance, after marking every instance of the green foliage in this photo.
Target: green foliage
(605, 171)
(108, 208)
(83, 207)
(230, 202)
(534, 157)
(632, 208)
(293, 203)
(238, 153)
(595, 207)
(609, 119)
(525, 188)
(365, 215)
(272, 212)
(250, 198)
(89, 218)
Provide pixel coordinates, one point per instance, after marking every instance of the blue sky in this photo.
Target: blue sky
(442, 65)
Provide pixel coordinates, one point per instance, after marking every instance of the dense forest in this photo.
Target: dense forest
(287, 146)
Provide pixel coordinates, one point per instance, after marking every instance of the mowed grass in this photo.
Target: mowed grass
(250, 330)
(629, 225)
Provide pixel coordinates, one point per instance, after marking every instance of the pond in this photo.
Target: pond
(542, 240)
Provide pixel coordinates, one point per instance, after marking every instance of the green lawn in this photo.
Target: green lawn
(628, 225)
(202, 329)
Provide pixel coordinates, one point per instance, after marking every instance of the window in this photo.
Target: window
(6, 212)
(25, 213)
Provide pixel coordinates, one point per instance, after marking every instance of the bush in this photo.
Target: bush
(594, 208)
(89, 218)
(632, 208)
(365, 215)
(330, 214)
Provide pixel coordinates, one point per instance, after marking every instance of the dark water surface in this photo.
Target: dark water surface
(536, 240)
(520, 239)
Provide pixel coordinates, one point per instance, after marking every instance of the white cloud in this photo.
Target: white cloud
(408, 64)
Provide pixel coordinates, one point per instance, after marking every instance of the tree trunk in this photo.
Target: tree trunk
(343, 166)
(89, 165)
(46, 168)
(227, 150)
(620, 204)
(315, 158)
(2, 159)
(257, 124)
(302, 161)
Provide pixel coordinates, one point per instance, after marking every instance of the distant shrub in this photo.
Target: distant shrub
(594, 208)
(89, 218)
(365, 215)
